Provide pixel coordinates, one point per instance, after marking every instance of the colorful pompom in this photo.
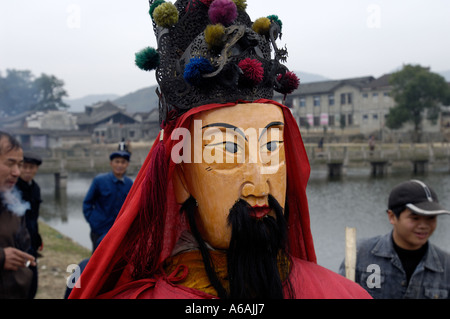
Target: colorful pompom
(223, 11)
(289, 82)
(147, 59)
(214, 35)
(261, 26)
(253, 71)
(154, 6)
(165, 15)
(274, 18)
(241, 4)
(195, 69)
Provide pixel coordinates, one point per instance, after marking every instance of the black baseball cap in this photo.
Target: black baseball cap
(418, 197)
(31, 157)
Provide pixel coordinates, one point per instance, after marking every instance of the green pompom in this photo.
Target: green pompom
(147, 59)
(166, 15)
(241, 4)
(261, 26)
(214, 35)
(154, 6)
(275, 18)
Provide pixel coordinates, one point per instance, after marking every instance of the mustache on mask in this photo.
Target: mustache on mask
(254, 252)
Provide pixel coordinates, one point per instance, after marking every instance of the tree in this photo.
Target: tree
(20, 91)
(16, 92)
(49, 93)
(418, 94)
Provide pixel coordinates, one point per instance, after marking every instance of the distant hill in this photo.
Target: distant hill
(446, 75)
(306, 77)
(77, 105)
(143, 100)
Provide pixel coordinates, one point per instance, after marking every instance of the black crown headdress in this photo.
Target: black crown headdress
(209, 51)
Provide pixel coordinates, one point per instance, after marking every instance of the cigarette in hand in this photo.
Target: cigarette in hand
(27, 264)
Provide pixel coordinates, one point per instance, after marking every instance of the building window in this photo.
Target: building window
(331, 120)
(375, 116)
(316, 100)
(365, 118)
(375, 95)
(331, 99)
(349, 98)
(304, 122)
(316, 120)
(365, 95)
(350, 119)
(302, 101)
(342, 98)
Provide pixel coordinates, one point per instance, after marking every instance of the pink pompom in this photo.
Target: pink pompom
(223, 11)
(253, 70)
(289, 82)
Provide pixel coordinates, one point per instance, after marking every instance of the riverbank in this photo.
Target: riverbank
(59, 252)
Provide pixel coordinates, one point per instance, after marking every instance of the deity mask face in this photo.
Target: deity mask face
(240, 155)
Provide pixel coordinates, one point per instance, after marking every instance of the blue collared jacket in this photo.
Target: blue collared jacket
(380, 271)
(104, 200)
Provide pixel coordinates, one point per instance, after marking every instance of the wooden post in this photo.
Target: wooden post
(350, 253)
(60, 180)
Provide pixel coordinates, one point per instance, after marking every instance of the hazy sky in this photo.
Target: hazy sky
(90, 44)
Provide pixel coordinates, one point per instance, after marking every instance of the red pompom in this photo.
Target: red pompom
(253, 70)
(289, 82)
(207, 2)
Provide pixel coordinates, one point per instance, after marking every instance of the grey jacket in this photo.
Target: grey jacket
(379, 271)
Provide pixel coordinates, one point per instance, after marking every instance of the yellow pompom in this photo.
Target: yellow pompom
(261, 26)
(166, 15)
(241, 4)
(214, 35)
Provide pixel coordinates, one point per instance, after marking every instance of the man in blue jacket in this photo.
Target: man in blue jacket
(403, 263)
(106, 195)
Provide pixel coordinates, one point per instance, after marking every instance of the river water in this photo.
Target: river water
(355, 200)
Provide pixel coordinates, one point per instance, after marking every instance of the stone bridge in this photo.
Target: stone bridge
(418, 158)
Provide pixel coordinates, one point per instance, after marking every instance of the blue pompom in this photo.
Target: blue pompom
(195, 69)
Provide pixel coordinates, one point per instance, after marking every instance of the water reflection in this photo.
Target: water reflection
(356, 200)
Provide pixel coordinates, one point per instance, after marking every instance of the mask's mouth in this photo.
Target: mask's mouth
(259, 212)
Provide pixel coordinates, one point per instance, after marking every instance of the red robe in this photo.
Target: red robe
(108, 271)
(308, 281)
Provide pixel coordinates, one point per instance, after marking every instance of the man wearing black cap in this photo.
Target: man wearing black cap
(106, 195)
(403, 263)
(31, 193)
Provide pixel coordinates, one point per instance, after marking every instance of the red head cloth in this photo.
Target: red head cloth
(109, 266)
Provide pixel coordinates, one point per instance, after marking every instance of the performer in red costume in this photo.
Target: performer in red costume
(219, 208)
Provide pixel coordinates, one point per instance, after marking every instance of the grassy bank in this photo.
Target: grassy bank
(59, 252)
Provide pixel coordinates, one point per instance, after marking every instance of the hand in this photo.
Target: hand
(15, 258)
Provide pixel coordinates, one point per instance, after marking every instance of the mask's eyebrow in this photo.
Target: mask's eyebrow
(225, 125)
(269, 126)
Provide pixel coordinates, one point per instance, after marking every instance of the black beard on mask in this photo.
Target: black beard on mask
(256, 246)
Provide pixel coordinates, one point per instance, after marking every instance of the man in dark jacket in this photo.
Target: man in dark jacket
(31, 193)
(15, 276)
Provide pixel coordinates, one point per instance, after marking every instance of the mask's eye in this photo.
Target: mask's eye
(272, 146)
(231, 147)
